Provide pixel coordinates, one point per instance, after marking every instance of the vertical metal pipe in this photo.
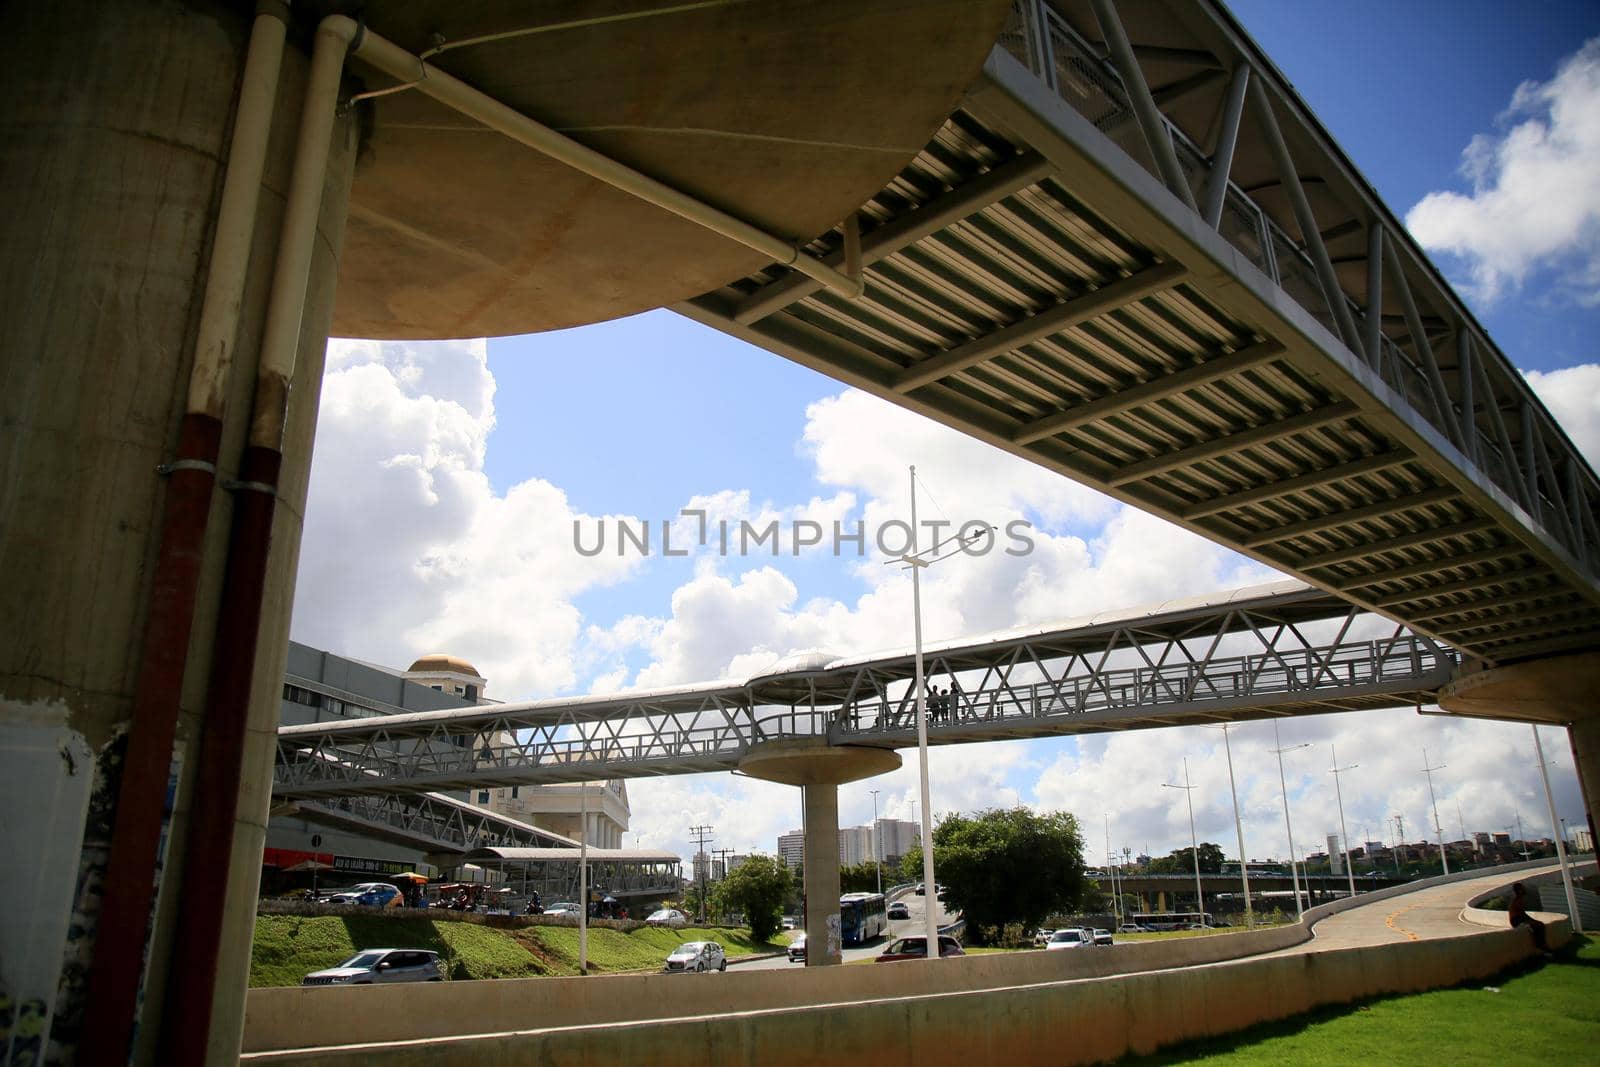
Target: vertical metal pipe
(1222, 162)
(118, 963)
(1306, 218)
(929, 886)
(1238, 826)
(1151, 122)
(1469, 403)
(186, 1023)
(1374, 319)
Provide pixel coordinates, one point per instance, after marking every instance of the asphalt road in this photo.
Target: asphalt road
(897, 928)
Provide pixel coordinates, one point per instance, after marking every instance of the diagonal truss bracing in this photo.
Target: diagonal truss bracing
(1197, 305)
(1275, 650)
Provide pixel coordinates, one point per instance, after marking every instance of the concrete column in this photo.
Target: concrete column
(819, 768)
(111, 155)
(823, 946)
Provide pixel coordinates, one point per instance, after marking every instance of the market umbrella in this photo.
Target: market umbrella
(313, 866)
(413, 876)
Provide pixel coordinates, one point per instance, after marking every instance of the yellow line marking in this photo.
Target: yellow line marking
(1391, 924)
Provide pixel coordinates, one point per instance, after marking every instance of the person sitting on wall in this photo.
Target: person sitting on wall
(1520, 917)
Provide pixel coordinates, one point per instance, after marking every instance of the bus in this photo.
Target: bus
(861, 917)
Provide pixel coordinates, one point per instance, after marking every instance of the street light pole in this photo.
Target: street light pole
(1238, 826)
(1556, 829)
(1294, 873)
(1194, 843)
(583, 877)
(1116, 917)
(912, 558)
(1438, 827)
(877, 842)
(1344, 835)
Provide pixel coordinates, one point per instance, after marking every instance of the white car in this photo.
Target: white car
(565, 907)
(668, 917)
(1070, 937)
(381, 965)
(696, 956)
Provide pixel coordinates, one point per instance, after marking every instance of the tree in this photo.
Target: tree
(862, 878)
(911, 866)
(1009, 866)
(757, 887)
(1181, 861)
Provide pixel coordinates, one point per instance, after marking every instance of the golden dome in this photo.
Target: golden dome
(439, 662)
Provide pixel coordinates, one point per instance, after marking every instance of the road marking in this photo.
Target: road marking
(1391, 924)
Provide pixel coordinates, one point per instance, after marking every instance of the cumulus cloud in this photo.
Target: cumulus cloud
(1573, 396)
(1535, 199)
(407, 548)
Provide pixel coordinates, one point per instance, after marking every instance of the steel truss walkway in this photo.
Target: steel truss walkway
(1274, 650)
(1133, 256)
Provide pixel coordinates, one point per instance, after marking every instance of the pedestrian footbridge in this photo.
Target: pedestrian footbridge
(1268, 651)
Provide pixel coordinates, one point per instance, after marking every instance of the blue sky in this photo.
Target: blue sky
(448, 476)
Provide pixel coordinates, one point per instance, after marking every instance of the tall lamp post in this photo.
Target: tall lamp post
(913, 559)
(1294, 873)
(1438, 827)
(1238, 827)
(583, 877)
(1194, 844)
(1558, 830)
(877, 843)
(1344, 835)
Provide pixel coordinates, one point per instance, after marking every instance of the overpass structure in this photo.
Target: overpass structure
(1106, 236)
(1248, 654)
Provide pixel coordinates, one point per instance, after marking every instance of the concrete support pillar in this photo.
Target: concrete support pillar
(112, 151)
(822, 875)
(819, 769)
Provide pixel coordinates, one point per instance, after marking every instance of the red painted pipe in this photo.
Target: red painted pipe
(118, 962)
(192, 971)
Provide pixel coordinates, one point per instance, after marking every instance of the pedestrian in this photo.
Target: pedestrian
(1520, 917)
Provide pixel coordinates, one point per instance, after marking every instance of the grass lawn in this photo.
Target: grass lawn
(1543, 1011)
(287, 947)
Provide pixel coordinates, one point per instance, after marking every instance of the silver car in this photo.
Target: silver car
(381, 965)
(696, 956)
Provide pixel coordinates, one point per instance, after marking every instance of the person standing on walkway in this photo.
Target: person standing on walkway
(1520, 917)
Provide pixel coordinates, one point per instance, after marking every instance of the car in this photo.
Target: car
(1103, 937)
(368, 894)
(696, 956)
(564, 907)
(916, 948)
(921, 889)
(1130, 928)
(898, 910)
(1070, 937)
(375, 966)
(667, 917)
(797, 949)
(790, 922)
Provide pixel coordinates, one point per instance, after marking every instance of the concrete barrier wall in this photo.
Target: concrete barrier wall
(299, 1016)
(1068, 1021)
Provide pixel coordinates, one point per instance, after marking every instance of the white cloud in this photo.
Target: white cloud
(1535, 199)
(408, 550)
(1573, 396)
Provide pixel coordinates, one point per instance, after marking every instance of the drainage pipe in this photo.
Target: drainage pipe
(118, 963)
(193, 972)
(415, 73)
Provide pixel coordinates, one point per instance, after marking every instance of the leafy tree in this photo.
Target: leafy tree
(911, 866)
(1009, 866)
(758, 888)
(862, 878)
(1181, 861)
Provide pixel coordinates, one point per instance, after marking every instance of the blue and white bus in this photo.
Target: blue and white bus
(861, 917)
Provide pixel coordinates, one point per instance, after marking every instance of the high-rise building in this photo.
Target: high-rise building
(896, 837)
(792, 849)
(1335, 854)
(855, 845)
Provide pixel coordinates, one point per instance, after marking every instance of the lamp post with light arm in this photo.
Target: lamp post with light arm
(913, 558)
(1194, 844)
(1288, 828)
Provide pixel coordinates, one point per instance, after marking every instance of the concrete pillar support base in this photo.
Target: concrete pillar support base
(819, 769)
